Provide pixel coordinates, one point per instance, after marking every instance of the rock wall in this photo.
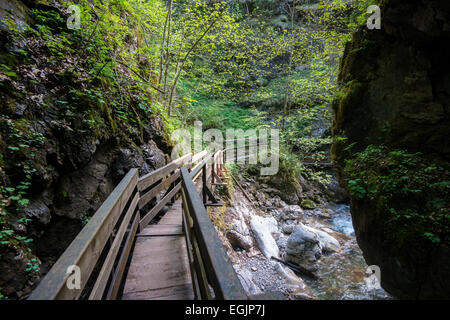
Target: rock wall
(396, 93)
(58, 135)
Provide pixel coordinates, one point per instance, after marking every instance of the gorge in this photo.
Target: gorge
(362, 114)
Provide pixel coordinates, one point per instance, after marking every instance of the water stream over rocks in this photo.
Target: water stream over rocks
(322, 240)
(343, 274)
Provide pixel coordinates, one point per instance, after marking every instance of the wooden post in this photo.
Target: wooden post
(205, 198)
(213, 170)
(171, 187)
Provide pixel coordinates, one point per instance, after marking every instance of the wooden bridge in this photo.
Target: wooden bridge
(120, 255)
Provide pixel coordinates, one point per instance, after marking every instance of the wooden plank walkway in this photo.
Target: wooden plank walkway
(159, 267)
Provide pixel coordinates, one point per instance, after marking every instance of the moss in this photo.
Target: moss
(352, 96)
(24, 126)
(308, 204)
(217, 216)
(409, 192)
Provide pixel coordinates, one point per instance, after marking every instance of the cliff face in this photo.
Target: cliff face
(395, 102)
(67, 137)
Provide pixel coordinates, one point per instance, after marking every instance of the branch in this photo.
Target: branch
(145, 80)
(198, 41)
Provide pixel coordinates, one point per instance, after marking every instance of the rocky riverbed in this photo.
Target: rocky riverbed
(321, 241)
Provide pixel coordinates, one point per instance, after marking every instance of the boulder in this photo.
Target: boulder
(327, 242)
(263, 228)
(288, 228)
(295, 284)
(292, 212)
(303, 248)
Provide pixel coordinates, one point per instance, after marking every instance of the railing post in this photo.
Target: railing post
(213, 169)
(222, 164)
(213, 268)
(172, 185)
(204, 186)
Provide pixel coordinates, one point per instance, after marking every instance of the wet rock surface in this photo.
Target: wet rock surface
(321, 240)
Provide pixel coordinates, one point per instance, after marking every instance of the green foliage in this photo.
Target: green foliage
(414, 190)
(33, 266)
(286, 75)
(121, 69)
(24, 143)
(308, 204)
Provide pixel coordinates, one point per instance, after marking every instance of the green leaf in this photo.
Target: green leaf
(24, 202)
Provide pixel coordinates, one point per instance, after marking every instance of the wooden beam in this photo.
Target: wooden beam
(196, 170)
(105, 272)
(152, 213)
(86, 248)
(199, 156)
(220, 271)
(152, 177)
(118, 273)
(157, 189)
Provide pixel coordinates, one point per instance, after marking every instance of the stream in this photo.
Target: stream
(343, 275)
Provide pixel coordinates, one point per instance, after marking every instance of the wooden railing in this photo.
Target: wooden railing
(102, 248)
(155, 182)
(213, 276)
(113, 227)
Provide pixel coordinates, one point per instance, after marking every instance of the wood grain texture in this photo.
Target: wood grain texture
(159, 267)
(86, 248)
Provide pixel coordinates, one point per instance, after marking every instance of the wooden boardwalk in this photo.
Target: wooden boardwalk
(164, 265)
(159, 267)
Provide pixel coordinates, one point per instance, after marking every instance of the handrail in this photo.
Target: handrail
(168, 176)
(210, 263)
(112, 223)
(86, 248)
(105, 243)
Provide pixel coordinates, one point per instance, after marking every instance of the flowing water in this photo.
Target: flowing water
(344, 275)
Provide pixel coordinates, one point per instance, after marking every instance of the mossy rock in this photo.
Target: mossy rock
(308, 204)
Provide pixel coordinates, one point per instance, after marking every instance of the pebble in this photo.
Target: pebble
(264, 274)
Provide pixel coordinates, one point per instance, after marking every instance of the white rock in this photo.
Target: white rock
(303, 247)
(295, 284)
(328, 243)
(262, 229)
(240, 226)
